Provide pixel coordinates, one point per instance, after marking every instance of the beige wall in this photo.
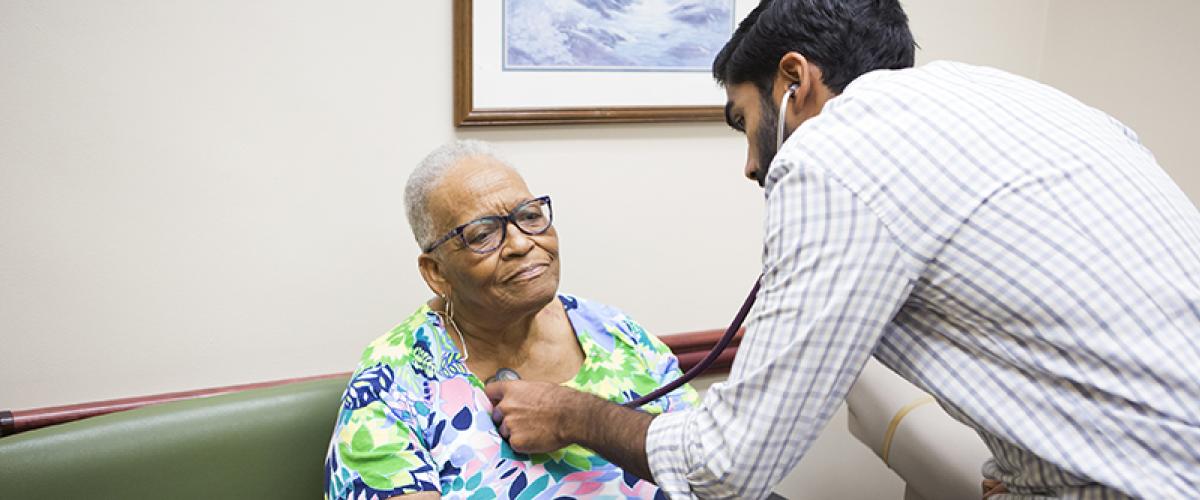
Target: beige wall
(207, 193)
(1138, 61)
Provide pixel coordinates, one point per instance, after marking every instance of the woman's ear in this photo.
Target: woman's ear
(431, 271)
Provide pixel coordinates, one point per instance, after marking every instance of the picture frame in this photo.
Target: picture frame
(490, 89)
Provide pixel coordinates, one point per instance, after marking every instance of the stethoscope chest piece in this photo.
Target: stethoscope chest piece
(504, 375)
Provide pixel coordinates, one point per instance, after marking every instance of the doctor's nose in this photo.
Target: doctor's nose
(751, 168)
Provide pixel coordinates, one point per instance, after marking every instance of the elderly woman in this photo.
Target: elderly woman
(415, 420)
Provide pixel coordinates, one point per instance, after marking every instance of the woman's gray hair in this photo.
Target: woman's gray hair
(429, 174)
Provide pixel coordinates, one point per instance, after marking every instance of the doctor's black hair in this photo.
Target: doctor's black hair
(845, 38)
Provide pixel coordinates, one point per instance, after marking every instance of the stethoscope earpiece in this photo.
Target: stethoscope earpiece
(787, 97)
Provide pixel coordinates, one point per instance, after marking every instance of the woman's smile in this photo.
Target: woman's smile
(528, 272)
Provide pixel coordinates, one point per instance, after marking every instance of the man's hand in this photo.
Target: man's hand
(539, 417)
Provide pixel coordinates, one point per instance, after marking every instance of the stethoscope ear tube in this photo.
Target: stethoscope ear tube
(783, 106)
(708, 360)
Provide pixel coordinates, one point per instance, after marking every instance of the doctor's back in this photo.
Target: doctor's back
(1050, 270)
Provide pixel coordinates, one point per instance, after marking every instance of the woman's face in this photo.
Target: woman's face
(518, 277)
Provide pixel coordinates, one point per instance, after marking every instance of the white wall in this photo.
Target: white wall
(207, 193)
(1138, 61)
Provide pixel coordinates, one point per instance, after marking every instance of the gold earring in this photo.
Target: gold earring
(449, 316)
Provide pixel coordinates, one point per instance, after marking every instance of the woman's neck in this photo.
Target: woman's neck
(506, 341)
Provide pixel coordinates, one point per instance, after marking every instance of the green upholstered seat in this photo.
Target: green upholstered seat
(260, 443)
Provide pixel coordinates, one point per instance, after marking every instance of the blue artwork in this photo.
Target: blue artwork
(615, 35)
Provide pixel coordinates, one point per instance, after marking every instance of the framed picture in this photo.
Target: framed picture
(589, 61)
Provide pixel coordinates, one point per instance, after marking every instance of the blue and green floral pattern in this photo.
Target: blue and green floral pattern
(413, 418)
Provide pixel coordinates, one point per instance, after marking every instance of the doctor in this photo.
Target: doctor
(1015, 253)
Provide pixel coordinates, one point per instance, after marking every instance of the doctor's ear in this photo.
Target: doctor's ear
(794, 75)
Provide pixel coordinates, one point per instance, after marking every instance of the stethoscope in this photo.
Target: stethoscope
(505, 374)
(731, 332)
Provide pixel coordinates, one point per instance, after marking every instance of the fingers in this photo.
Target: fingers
(497, 413)
(498, 419)
(495, 391)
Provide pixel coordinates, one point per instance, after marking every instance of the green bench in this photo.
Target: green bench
(253, 443)
(260, 443)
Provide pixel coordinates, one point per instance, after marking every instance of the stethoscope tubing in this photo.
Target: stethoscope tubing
(736, 325)
(708, 360)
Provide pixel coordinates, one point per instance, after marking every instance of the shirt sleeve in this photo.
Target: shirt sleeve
(833, 279)
(376, 450)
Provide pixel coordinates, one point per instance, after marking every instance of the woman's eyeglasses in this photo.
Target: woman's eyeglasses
(486, 234)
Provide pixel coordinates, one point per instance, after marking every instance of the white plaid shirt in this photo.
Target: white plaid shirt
(1013, 252)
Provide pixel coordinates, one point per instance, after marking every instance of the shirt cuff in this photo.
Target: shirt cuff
(667, 453)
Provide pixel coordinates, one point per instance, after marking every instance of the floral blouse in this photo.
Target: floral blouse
(415, 419)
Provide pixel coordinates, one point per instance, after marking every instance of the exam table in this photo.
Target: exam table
(936, 456)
